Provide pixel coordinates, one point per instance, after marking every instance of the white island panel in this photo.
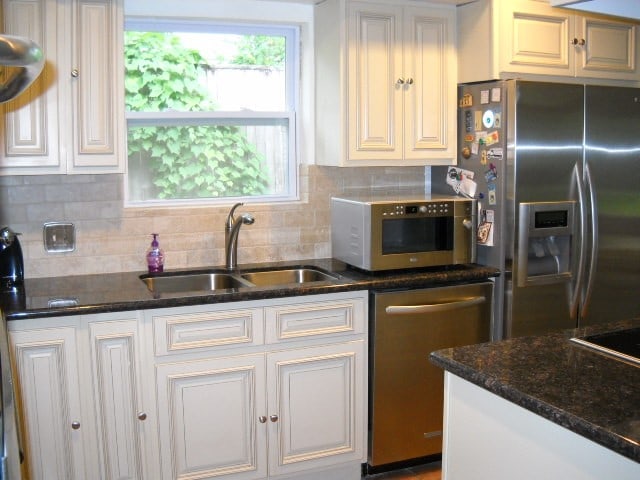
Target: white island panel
(489, 438)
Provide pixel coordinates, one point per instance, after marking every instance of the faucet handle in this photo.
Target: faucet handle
(230, 218)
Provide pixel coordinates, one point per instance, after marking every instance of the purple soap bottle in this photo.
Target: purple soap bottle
(155, 256)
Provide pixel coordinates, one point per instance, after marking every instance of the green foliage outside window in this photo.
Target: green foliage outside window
(260, 50)
(184, 161)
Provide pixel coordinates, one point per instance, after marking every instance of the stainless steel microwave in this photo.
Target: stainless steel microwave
(378, 233)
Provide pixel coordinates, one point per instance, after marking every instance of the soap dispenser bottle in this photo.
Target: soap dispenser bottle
(155, 256)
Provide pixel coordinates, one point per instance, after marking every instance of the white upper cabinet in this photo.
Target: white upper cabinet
(385, 84)
(530, 37)
(71, 120)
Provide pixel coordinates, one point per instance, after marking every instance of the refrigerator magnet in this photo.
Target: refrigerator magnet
(497, 120)
(485, 229)
(488, 119)
(491, 193)
(477, 120)
(491, 175)
(495, 154)
(484, 97)
(492, 138)
(466, 100)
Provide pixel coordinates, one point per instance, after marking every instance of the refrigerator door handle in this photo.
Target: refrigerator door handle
(575, 296)
(588, 291)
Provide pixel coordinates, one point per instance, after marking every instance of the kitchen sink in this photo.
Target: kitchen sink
(265, 278)
(193, 282)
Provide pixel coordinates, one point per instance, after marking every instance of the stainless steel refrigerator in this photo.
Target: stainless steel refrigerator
(556, 171)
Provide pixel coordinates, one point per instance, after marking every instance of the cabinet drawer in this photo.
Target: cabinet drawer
(177, 332)
(311, 319)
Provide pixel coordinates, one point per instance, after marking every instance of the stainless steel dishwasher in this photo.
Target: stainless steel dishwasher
(406, 390)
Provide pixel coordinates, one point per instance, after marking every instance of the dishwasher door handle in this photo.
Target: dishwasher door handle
(434, 307)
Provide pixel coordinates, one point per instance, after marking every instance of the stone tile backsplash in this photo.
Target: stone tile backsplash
(111, 238)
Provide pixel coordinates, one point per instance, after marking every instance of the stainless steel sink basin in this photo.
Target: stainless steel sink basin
(265, 278)
(193, 282)
(210, 281)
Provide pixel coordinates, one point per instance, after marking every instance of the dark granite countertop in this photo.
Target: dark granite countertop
(590, 393)
(85, 294)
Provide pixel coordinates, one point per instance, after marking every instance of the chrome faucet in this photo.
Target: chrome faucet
(231, 231)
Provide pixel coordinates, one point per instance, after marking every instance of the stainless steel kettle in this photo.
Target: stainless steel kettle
(11, 261)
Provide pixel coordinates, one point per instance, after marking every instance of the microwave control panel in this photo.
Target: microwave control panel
(428, 209)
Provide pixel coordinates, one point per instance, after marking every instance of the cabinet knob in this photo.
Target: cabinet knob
(273, 418)
(409, 81)
(262, 419)
(75, 73)
(142, 416)
(581, 42)
(75, 425)
(400, 81)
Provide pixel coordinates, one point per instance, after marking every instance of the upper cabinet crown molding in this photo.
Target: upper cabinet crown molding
(385, 83)
(71, 120)
(507, 38)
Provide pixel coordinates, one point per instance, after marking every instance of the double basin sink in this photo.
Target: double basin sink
(222, 280)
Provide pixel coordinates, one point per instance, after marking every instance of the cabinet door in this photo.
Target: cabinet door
(97, 60)
(29, 125)
(114, 352)
(209, 418)
(316, 401)
(430, 92)
(56, 433)
(375, 82)
(537, 39)
(606, 49)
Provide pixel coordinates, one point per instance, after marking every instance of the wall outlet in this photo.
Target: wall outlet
(59, 237)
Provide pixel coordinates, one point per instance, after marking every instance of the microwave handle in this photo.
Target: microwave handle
(434, 307)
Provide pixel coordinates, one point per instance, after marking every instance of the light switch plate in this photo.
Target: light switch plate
(59, 237)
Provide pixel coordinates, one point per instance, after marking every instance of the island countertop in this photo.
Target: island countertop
(587, 392)
(111, 292)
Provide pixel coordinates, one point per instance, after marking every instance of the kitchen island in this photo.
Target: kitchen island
(540, 407)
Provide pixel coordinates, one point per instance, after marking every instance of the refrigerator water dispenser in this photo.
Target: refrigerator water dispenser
(544, 242)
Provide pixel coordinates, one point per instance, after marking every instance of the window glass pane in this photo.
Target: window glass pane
(184, 71)
(217, 161)
(210, 111)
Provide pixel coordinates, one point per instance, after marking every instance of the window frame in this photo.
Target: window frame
(293, 62)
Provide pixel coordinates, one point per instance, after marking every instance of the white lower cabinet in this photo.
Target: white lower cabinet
(243, 390)
(243, 408)
(221, 416)
(122, 420)
(314, 405)
(54, 441)
(79, 396)
(208, 418)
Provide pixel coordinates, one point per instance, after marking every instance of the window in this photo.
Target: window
(210, 112)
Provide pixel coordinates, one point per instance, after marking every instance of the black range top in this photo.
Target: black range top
(623, 344)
